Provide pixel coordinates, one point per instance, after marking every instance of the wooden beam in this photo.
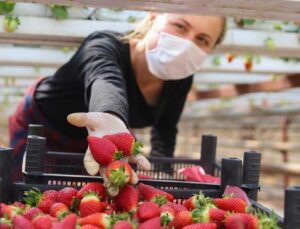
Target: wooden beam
(271, 9)
(289, 81)
(50, 32)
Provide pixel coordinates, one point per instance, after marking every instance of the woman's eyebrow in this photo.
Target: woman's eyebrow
(185, 22)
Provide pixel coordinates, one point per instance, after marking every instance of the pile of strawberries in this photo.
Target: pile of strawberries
(142, 207)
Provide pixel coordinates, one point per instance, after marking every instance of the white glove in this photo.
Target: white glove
(99, 124)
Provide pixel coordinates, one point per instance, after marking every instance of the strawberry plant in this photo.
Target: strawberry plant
(11, 23)
(59, 12)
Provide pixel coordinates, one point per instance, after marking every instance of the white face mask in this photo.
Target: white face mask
(174, 57)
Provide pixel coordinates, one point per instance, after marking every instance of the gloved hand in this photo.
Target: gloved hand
(99, 124)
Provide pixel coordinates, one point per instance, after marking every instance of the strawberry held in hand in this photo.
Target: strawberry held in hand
(119, 173)
(126, 143)
(104, 151)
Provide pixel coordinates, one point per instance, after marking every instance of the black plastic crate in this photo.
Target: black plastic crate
(39, 159)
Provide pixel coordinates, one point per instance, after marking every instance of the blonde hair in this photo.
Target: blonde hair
(145, 25)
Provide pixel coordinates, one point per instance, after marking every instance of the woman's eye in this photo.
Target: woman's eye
(180, 26)
(203, 41)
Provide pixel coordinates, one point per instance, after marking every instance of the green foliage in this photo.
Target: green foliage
(216, 61)
(59, 12)
(270, 44)
(277, 26)
(11, 23)
(247, 21)
(6, 7)
(131, 19)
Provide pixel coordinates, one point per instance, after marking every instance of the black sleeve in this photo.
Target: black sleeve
(97, 64)
(164, 131)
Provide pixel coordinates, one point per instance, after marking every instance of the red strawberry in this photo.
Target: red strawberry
(149, 193)
(177, 207)
(127, 199)
(67, 222)
(182, 219)
(21, 222)
(18, 204)
(5, 223)
(96, 187)
(30, 213)
(248, 64)
(201, 226)
(59, 210)
(91, 204)
(101, 220)
(148, 210)
(209, 215)
(67, 196)
(230, 57)
(151, 224)
(197, 201)
(89, 226)
(43, 201)
(231, 204)
(9, 211)
(123, 224)
(126, 143)
(119, 173)
(103, 150)
(42, 222)
(167, 214)
(241, 220)
(110, 208)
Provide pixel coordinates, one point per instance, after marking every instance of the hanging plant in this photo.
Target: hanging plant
(11, 23)
(248, 62)
(230, 57)
(6, 7)
(270, 44)
(59, 12)
(277, 26)
(131, 19)
(216, 61)
(241, 22)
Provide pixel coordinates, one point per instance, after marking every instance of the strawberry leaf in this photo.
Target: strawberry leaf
(59, 12)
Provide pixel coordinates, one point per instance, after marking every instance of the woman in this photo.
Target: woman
(119, 82)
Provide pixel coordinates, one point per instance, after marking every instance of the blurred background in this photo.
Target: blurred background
(247, 93)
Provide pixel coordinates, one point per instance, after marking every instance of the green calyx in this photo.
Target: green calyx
(137, 148)
(6, 221)
(115, 217)
(118, 155)
(165, 219)
(202, 215)
(267, 221)
(118, 177)
(201, 202)
(160, 200)
(32, 197)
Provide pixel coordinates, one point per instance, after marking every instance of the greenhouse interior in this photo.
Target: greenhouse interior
(246, 95)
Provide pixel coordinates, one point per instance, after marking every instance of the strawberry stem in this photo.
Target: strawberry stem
(117, 177)
(137, 148)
